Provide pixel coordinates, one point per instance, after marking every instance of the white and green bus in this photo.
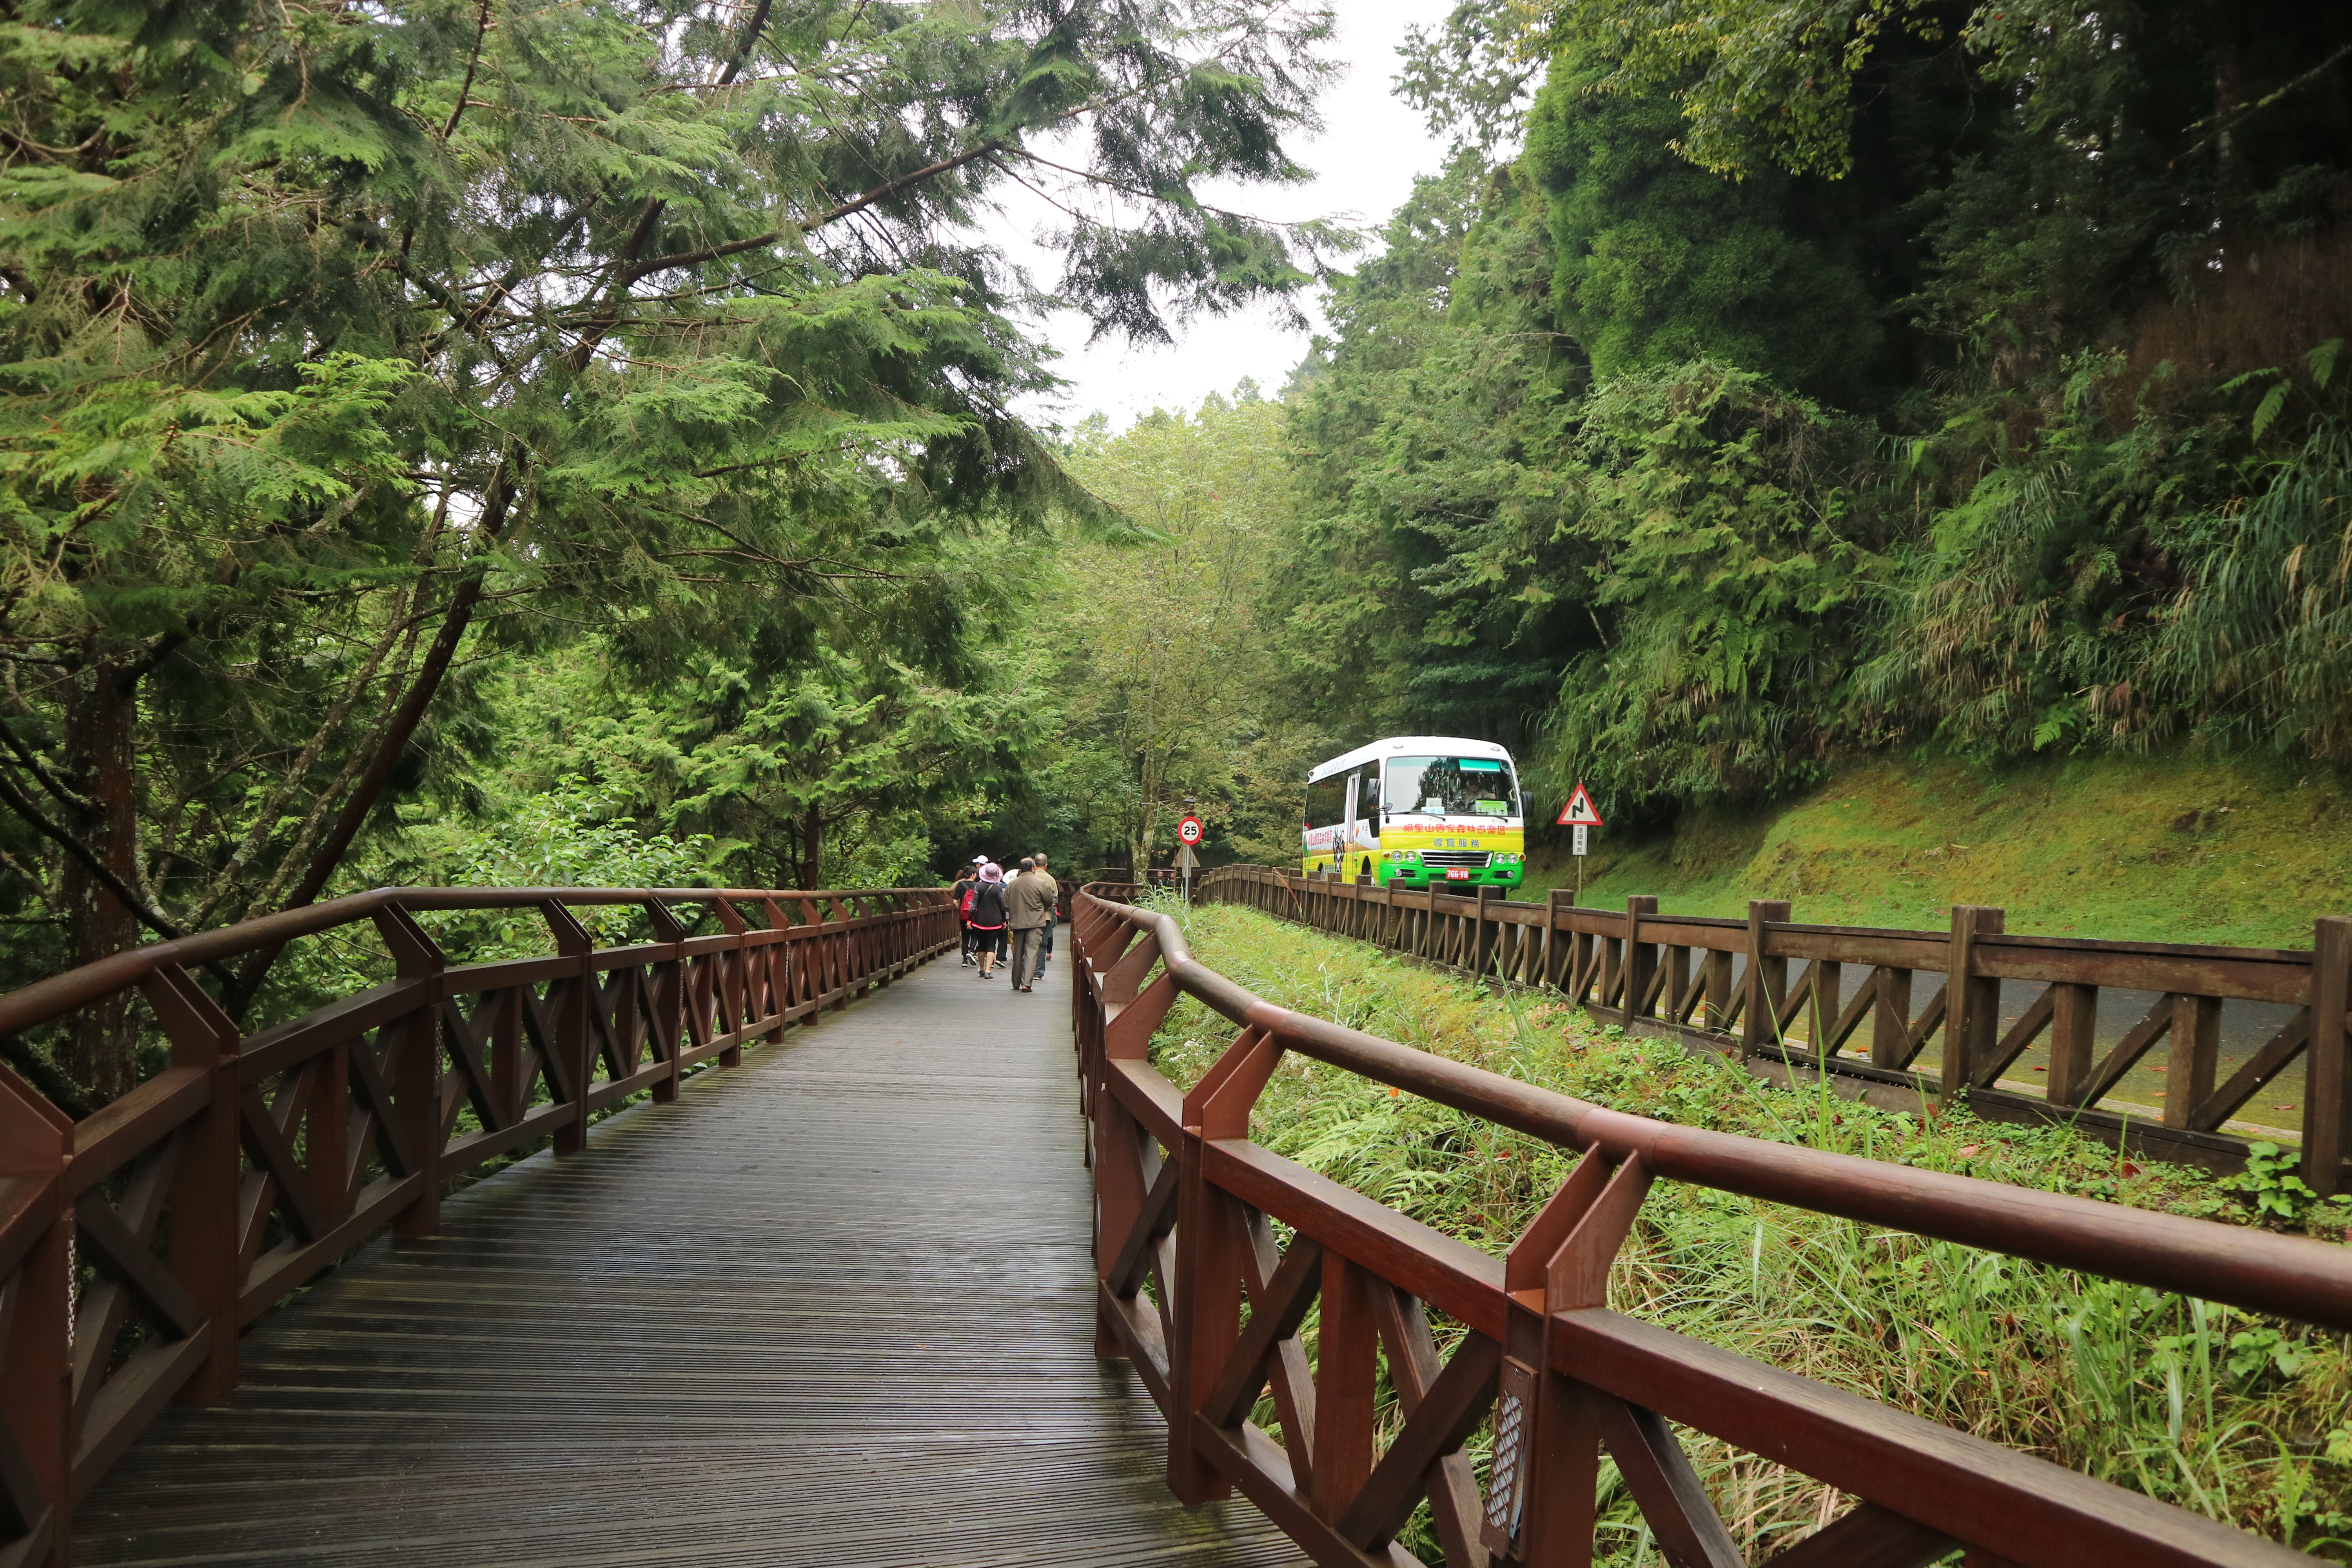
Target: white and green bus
(1417, 811)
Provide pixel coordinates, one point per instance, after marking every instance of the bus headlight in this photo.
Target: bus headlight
(1400, 854)
(1509, 859)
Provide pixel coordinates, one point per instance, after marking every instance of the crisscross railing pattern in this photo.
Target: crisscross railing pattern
(1728, 985)
(1196, 1293)
(135, 1244)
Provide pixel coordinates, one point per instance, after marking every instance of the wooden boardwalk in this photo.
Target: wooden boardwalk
(834, 1306)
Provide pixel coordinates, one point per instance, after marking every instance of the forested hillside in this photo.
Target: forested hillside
(476, 441)
(1761, 386)
(1921, 377)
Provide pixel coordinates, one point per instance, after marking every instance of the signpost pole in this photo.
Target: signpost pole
(1188, 834)
(1579, 815)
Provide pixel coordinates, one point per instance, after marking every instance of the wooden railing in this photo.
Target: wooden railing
(1186, 1210)
(135, 1244)
(1725, 985)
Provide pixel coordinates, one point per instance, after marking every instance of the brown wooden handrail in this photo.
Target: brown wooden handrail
(210, 1192)
(1673, 977)
(1184, 1199)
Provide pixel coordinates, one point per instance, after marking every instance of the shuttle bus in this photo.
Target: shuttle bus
(1418, 811)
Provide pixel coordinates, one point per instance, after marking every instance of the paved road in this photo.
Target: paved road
(832, 1307)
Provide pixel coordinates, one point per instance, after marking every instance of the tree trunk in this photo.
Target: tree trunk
(100, 736)
(811, 848)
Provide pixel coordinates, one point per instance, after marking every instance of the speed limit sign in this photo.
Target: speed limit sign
(1189, 832)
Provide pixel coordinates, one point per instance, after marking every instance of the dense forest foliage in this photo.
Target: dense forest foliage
(425, 421)
(1760, 385)
(482, 441)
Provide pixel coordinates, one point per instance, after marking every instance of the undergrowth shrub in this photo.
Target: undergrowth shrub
(2240, 1417)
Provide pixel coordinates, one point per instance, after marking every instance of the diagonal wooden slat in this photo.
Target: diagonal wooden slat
(462, 1038)
(1454, 1407)
(1923, 1029)
(1658, 1473)
(1865, 998)
(106, 1241)
(1869, 1537)
(2128, 1050)
(273, 1153)
(2259, 1069)
(2021, 1035)
(1799, 995)
(1159, 1216)
(1274, 1316)
(1287, 1373)
(367, 1077)
(1455, 1505)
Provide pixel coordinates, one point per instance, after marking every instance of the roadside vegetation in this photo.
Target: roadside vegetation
(2233, 1415)
(2243, 853)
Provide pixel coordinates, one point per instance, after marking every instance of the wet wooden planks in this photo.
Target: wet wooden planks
(833, 1306)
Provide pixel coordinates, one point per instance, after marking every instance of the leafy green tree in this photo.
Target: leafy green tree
(338, 348)
(1156, 645)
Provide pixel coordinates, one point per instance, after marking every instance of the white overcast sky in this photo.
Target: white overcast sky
(1372, 147)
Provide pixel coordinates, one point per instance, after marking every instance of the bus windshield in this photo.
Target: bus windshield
(1451, 786)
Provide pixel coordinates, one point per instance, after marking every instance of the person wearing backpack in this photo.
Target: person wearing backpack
(988, 917)
(966, 882)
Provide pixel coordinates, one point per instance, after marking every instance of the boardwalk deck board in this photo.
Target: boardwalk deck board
(832, 1306)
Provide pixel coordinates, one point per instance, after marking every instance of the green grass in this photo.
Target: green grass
(2232, 1416)
(2163, 850)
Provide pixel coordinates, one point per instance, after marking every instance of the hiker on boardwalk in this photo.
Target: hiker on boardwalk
(988, 916)
(1029, 911)
(1047, 872)
(967, 880)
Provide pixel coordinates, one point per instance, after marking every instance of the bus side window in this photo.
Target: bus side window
(1368, 795)
(1325, 800)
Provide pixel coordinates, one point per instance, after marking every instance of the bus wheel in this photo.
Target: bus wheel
(1368, 865)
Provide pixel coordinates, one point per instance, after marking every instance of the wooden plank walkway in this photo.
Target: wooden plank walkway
(834, 1306)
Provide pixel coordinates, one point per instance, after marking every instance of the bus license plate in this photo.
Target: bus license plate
(1454, 874)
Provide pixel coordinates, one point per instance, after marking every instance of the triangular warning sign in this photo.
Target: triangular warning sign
(1580, 811)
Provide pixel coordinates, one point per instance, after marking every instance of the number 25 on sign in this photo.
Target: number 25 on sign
(1580, 814)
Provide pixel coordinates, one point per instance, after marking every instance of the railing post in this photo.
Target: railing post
(1640, 963)
(415, 1064)
(1767, 978)
(2073, 1029)
(1890, 1022)
(572, 1032)
(37, 1336)
(2328, 1086)
(777, 969)
(667, 998)
(1209, 1242)
(1552, 969)
(731, 986)
(1540, 1501)
(203, 1254)
(1971, 1003)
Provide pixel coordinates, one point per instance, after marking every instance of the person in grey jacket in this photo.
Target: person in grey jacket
(1029, 911)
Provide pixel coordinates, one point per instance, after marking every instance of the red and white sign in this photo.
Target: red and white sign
(1189, 831)
(1580, 811)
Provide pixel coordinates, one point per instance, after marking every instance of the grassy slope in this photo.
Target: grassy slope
(2083, 1372)
(2155, 849)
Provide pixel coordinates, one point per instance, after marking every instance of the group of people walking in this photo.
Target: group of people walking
(1008, 918)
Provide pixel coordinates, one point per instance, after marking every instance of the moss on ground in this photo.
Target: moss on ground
(2217, 1411)
(2163, 850)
